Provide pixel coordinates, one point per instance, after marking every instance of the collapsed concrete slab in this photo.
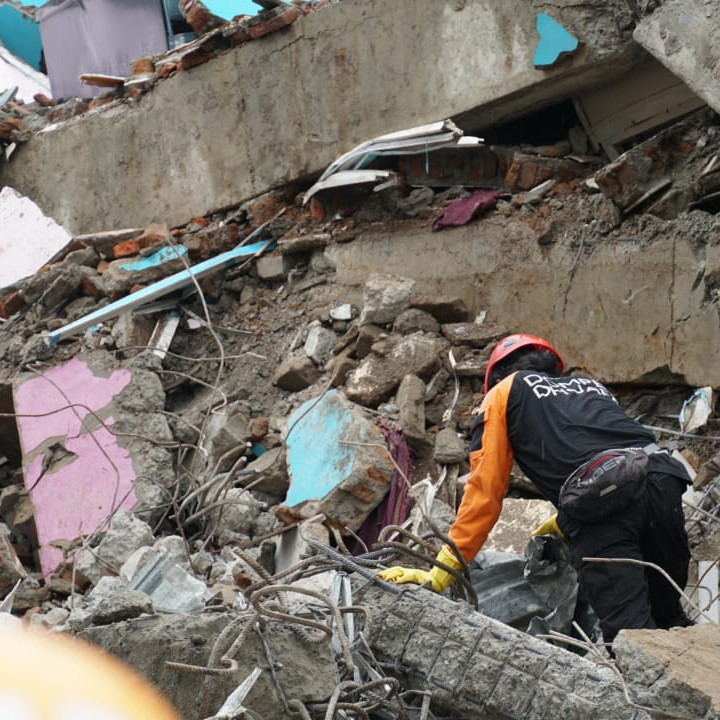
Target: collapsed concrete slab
(338, 461)
(478, 667)
(674, 669)
(589, 290)
(81, 427)
(169, 149)
(683, 36)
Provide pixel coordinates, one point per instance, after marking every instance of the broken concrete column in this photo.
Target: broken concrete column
(673, 669)
(338, 461)
(477, 667)
(148, 642)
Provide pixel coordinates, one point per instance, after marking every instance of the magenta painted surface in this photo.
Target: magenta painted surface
(80, 496)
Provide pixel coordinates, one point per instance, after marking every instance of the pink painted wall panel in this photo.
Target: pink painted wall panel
(79, 496)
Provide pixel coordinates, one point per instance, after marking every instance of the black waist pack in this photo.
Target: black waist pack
(605, 484)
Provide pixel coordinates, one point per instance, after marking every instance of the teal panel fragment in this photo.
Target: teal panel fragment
(317, 460)
(555, 41)
(156, 259)
(20, 34)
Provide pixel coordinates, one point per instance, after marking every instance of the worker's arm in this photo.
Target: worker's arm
(490, 467)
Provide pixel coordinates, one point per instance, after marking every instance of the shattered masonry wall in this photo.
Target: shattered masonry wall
(283, 107)
(78, 464)
(477, 667)
(618, 308)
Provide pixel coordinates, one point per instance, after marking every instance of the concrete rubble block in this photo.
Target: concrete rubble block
(682, 35)
(147, 642)
(450, 449)
(293, 546)
(111, 601)
(443, 309)
(235, 516)
(340, 368)
(414, 319)
(338, 461)
(660, 174)
(66, 283)
(410, 399)
(378, 376)
(319, 343)
(274, 267)
(270, 474)
(673, 669)
(478, 667)
(476, 335)
(226, 430)
(367, 336)
(132, 331)
(11, 569)
(125, 535)
(518, 518)
(384, 298)
(296, 373)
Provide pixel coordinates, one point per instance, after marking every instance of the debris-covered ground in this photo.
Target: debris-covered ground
(210, 446)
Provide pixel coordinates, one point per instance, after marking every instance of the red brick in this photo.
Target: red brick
(10, 304)
(198, 57)
(274, 24)
(126, 248)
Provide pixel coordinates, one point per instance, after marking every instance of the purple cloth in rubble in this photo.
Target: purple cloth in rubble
(393, 510)
(463, 210)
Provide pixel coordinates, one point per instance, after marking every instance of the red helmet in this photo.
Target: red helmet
(513, 343)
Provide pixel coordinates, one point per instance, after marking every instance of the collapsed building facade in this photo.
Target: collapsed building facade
(210, 330)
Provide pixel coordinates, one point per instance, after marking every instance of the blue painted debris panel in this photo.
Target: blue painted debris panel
(317, 460)
(20, 34)
(228, 9)
(156, 259)
(555, 41)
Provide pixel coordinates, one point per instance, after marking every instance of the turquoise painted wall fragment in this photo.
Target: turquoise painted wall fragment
(555, 41)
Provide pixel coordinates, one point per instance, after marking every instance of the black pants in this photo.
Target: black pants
(625, 595)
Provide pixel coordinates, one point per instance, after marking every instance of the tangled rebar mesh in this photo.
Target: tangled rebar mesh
(364, 689)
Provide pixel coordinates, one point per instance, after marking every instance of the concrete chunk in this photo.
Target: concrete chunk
(338, 461)
(675, 668)
(385, 297)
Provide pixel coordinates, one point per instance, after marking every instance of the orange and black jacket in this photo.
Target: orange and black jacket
(549, 426)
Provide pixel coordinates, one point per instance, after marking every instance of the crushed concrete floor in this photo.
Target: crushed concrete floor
(164, 447)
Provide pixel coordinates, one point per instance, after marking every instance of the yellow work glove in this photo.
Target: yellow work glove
(438, 578)
(548, 527)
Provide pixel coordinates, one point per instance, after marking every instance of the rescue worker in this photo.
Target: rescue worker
(550, 425)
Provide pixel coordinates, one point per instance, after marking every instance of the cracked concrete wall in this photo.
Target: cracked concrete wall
(283, 107)
(684, 35)
(479, 668)
(617, 307)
